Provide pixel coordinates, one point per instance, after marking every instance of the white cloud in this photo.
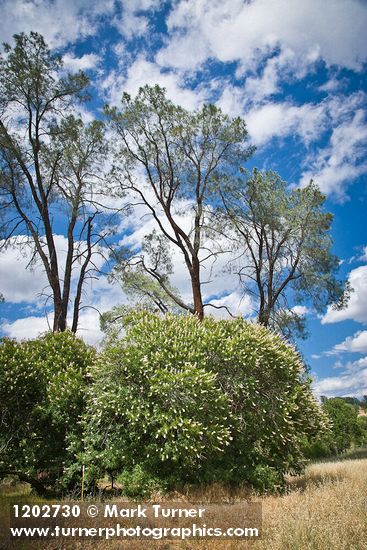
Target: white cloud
(357, 306)
(333, 85)
(180, 53)
(352, 381)
(88, 327)
(363, 257)
(16, 283)
(281, 119)
(276, 68)
(356, 343)
(22, 286)
(343, 160)
(232, 100)
(238, 304)
(300, 310)
(142, 72)
(87, 61)
(31, 327)
(339, 120)
(59, 21)
(133, 20)
(100, 295)
(26, 328)
(348, 383)
(246, 31)
(358, 364)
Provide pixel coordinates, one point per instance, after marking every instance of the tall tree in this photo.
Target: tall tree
(50, 166)
(283, 244)
(175, 163)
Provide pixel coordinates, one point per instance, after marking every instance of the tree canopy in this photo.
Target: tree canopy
(175, 163)
(283, 248)
(50, 169)
(182, 170)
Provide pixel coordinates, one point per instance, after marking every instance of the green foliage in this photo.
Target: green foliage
(138, 484)
(319, 447)
(150, 407)
(344, 423)
(192, 401)
(28, 75)
(284, 235)
(265, 478)
(361, 438)
(42, 384)
(347, 428)
(51, 168)
(174, 162)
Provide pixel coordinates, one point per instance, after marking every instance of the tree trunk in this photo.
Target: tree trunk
(196, 289)
(264, 318)
(60, 314)
(33, 482)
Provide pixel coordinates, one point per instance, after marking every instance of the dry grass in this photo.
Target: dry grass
(328, 509)
(325, 508)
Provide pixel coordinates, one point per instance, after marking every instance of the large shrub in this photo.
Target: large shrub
(42, 392)
(344, 429)
(347, 429)
(198, 401)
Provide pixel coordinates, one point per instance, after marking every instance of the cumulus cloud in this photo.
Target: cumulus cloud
(343, 159)
(59, 21)
(356, 343)
(27, 328)
(19, 283)
(363, 257)
(133, 20)
(281, 119)
(348, 383)
(180, 53)
(142, 72)
(276, 69)
(238, 304)
(247, 31)
(300, 310)
(30, 287)
(87, 61)
(352, 380)
(100, 296)
(356, 309)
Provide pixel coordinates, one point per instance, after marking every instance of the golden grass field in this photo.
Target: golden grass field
(326, 508)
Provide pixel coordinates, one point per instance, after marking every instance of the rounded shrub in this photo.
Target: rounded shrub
(42, 394)
(344, 420)
(192, 401)
(139, 485)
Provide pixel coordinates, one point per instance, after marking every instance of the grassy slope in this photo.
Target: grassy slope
(325, 508)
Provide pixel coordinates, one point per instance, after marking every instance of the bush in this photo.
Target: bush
(344, 423)
(42, 391)
(139, 484)
(347, 429)
(320, 447)
(361, 430)
(192, 401)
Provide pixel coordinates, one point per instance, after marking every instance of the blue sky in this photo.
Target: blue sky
(294, 70)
